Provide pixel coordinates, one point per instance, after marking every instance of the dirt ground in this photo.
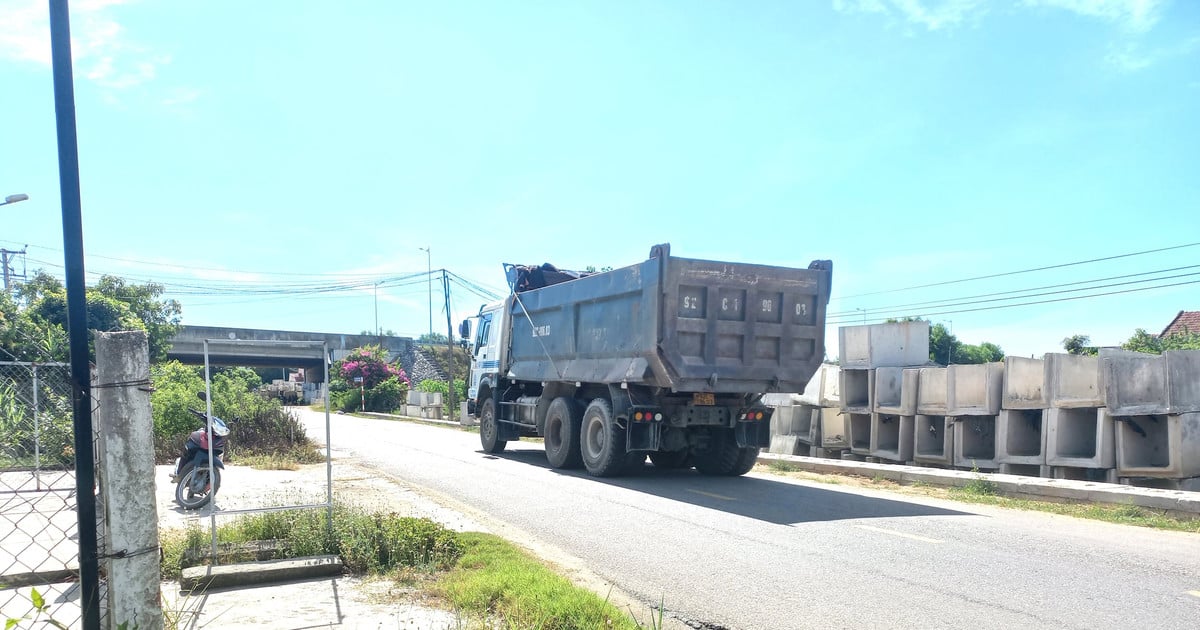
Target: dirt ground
(347, 602)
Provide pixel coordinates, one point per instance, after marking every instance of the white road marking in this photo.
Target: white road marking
(1194, 593)
(900, 534)
(715, 496)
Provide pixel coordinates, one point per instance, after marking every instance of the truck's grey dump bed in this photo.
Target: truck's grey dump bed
(689, 325)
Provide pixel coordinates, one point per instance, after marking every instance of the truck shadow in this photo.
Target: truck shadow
(780, 501)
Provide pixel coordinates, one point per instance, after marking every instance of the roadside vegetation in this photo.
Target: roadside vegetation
(487, 581)
(983, 492)
(262, 432)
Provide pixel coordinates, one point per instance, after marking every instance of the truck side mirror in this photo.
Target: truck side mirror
(464, 329)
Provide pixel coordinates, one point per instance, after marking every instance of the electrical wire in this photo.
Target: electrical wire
(1021, 271)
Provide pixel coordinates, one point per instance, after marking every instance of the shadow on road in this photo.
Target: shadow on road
(779, 502)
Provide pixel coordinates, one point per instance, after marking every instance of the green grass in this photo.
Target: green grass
(291, 459)
(500, 586)
(367, 542)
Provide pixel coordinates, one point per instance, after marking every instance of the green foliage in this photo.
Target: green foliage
(1142, 341)
(383, 385)
(440, 387)
(49, 440)
(256, 425)
(1078, 344)
(34, 324)
(41, 614)
(945, 348)
(367, 542)
(432, 339)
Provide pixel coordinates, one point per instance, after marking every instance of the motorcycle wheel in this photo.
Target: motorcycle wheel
(193, 479)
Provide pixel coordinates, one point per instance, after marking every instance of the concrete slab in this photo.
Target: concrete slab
(933, 440)
(896, 391)
(1073, 381)
(1021, 437)
(892, 436)
(1080, 438)
(975, 442)
(974, 390)
(856, 386)
(831, 385)
(1163, 446)
(896, 344)
(1023, 383)
(787, 445)
(258, 573)
(931, 391)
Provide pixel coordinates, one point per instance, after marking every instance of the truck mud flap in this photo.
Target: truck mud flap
(752, 434)
(644, 436)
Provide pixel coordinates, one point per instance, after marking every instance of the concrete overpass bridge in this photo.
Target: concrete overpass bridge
(274, 348)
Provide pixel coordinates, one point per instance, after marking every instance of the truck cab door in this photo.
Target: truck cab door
(483, 360)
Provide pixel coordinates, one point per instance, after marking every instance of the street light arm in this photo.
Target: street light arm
(14, 198)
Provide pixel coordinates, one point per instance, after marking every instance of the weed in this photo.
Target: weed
(41, 614)
(777, 465)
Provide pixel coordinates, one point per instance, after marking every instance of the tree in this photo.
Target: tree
(942, 344)
(35, 323)
(432, 338)
(382, 386)
(1142, 341)
(1078, 344)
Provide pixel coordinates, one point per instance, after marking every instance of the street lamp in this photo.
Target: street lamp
(429, 279)
(14, 198)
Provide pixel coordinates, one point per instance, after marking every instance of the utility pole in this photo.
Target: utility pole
(6, 255)
(449, 345)
(429, 280)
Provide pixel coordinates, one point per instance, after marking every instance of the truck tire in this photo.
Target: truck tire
(722, 455)
(602, 441)
(670, 459)
(489, 433)
(562, 434)
(746, 459)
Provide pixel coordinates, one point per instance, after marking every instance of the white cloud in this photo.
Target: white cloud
(1136, 16)
(100, 48)
(932, 14)
(1130, 56)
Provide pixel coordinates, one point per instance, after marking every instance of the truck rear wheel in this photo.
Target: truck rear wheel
(722, 456)
(602, 441)
(747, 458)
(562, 434)
(489, 433)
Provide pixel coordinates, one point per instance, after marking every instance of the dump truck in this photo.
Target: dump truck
(668, 358)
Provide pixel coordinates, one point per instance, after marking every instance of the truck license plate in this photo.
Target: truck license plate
(704, 398)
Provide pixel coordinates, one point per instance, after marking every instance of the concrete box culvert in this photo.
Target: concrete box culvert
(859, 425)
(1080, 438)
(975, 442)
(934, 440)
(931, 391)
(892, 436)
(1021, 437)
(1166, 446)
(1023, 383)
(856, 390)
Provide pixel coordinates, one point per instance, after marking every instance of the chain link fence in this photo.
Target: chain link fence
(38, 520)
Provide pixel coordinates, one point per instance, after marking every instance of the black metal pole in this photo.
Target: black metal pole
(68, 181)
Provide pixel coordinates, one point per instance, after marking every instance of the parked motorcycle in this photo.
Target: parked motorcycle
(195, 483)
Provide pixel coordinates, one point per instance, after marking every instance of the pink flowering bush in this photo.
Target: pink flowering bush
(384, 385)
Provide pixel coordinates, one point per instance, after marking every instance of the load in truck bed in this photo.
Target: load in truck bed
(683, 324)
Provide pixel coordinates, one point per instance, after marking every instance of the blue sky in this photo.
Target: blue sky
(229, 147)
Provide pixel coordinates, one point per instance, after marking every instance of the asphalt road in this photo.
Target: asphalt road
(764, 552)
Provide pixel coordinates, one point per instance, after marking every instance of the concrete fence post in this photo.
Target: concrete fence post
(131, 561)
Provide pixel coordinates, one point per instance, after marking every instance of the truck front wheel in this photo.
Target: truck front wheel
(602, 441)
(489, 433)
(562, 434)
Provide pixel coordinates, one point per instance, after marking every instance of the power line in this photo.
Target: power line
(1003, 306)
(1013, 273)
(949, 302)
